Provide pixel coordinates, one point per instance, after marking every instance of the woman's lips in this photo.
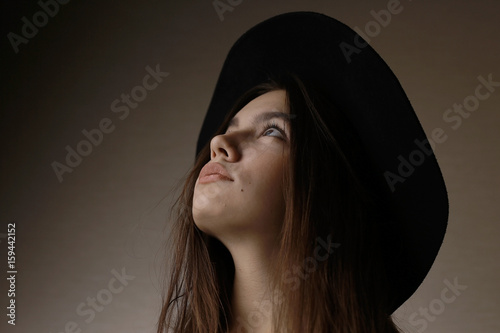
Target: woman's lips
(212, 172)
(212, 178)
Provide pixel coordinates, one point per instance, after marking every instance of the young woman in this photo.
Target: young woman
(297, 215)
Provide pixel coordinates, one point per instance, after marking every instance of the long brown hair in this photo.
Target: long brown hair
(330, 275)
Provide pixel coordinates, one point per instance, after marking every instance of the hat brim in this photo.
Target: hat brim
(320, 49)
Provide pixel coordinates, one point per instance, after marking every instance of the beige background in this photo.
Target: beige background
(110, 212)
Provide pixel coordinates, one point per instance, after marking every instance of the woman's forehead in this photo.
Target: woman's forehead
(262, 108)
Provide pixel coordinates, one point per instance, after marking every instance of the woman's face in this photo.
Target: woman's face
(254, 151)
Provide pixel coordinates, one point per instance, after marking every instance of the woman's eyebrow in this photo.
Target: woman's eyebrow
(264, 117)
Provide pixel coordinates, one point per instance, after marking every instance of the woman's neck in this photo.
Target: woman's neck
(251, 297)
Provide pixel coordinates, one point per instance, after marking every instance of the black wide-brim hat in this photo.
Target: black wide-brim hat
(323, 51)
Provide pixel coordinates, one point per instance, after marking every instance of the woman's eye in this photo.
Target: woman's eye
(273, 130)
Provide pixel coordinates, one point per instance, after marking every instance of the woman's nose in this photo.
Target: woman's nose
(224, 146)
